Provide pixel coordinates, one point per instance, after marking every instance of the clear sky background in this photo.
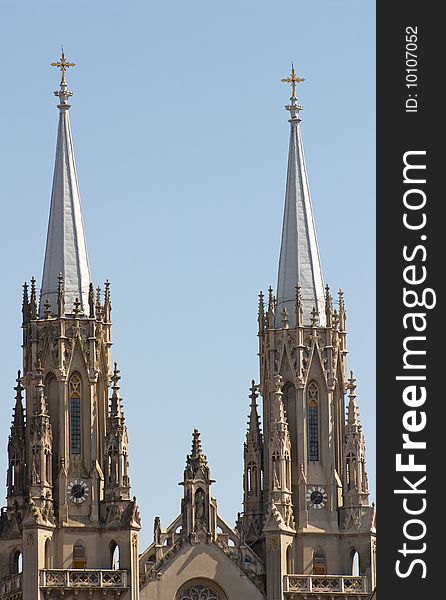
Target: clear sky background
(181, 142)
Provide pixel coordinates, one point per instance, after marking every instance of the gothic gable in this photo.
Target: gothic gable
(197, 562)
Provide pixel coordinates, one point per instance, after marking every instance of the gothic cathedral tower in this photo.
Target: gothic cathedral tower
(70, 521)
(306, 500)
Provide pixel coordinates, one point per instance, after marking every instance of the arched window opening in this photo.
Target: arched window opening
(313, 422)
(254, 478)
(114, 556)
(75, 414)
(251, 477)
(351, 471)
(16, 562)
(276, 473)
(79, 556)
(319, 562)
(355, 563)
(48, 466)
(200, 590)
(48, 554)
(54, 408)
(363, 476)
(289, 402)
(200, 512)
(288, 470)
(290, 559)
(125, 477)
(14, 470)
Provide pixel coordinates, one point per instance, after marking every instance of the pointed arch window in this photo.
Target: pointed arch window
(313, 422)
(276, 473)
(79, 556)
(319, 562)
(200, 511)
(290, 405)
(290, 559)
(198, 589)
(287, 470)
(355, 561)
(75, 414)
(350, 471)
(251, 475)
(48, 554)
(16, 562)
(114, 556)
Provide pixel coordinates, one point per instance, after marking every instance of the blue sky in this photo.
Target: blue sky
(181, 142)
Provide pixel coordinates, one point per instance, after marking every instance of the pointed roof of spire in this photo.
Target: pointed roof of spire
(254, 433)
(115, 401)
(196, 460)
(19, 415)
(299, 261)
(66, 248)
(352, 411)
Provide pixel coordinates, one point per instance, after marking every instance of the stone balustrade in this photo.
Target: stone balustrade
(83, 578)
(10, 585)
(326, 584)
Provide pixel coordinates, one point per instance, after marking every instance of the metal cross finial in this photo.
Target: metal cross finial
(63, 66)
(293, 80)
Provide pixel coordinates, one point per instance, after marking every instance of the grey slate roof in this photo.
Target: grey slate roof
(299, 261)
(66, 248)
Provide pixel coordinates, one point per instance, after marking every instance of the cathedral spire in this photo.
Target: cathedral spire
(117, 482)
(253, 474)
(356, 491)
(198, 508)
(196, 460)
(66, 249)
(280, 457)
(299, 254)
(254, 434)
(16, 445)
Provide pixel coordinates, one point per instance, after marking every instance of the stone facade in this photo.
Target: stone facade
(70, 525)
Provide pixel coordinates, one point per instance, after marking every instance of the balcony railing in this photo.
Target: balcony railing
(325, 584)
(10, 584)
(83, 578)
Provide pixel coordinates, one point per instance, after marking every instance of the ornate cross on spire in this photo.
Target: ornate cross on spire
(293, 80)
(63, 66)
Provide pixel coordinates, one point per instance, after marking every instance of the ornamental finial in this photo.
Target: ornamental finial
(293, 107)
(63, 65)
(63, 93)
(293, 80)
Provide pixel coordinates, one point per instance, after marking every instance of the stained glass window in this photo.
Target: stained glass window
(75, 415)
(313, 422)
(199, 592)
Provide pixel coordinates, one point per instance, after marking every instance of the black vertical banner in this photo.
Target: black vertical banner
(411, 259)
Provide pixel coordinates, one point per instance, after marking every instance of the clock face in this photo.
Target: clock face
(77, 491)
(316, 497)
